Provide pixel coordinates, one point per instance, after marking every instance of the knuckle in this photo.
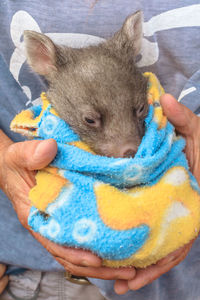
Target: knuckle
(10, 155)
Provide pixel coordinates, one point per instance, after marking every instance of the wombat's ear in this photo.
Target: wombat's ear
(41, 52)
(129, 37)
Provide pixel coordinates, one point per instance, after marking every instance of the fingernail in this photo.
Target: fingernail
(121, 288)
(44, 149)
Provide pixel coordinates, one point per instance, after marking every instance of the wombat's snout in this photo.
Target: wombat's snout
(128, 151)
(125, 150)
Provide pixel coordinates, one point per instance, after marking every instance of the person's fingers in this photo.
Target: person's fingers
(2, 270)
(3, 279)
(178, 114)
(98, 272)
(177, 254)
(31, 155)
(121, 287)
(188, 125)
(83, 263)
(77, 257)
(149, 274)
(3, 283)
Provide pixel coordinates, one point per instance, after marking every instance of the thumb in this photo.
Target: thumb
(179, 115)
(32, 155)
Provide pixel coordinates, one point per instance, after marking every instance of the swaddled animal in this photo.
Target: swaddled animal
(97, 90)
(108, 205)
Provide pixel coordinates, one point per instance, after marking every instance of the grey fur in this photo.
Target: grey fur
(98, 90)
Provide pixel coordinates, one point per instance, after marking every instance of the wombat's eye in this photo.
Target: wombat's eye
(90, 121)
(93, 120)
(141, 111)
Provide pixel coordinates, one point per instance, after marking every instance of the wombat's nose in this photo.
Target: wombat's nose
(128, 151)
(125, 150)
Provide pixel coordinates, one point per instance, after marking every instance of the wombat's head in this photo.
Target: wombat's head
(97, 90)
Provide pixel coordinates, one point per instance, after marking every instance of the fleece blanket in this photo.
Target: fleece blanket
(129, 211)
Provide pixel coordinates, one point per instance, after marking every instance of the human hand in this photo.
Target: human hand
(3, 278)
(18, 162)
(188, 125)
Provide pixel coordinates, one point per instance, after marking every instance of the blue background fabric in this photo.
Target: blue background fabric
(174, 57)
(191, 93)
(10, 91)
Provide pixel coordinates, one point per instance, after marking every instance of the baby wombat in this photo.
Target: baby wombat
(98, 90)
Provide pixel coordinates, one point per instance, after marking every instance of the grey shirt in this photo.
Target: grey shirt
(170, 49)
